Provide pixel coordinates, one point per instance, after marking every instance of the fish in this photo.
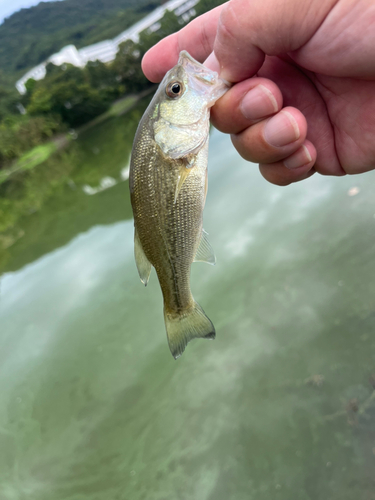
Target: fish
(168, 187)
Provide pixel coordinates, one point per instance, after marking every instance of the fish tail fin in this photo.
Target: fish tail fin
(187, 326)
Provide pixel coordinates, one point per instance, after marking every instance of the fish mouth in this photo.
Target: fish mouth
(200, 71)
(204, 75)
(185, 57)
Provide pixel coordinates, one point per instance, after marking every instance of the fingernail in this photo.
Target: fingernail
(258, 103)
(299, 158)
(281, 129)
(212, 63)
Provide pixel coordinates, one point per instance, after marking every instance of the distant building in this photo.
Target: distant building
(106, 51)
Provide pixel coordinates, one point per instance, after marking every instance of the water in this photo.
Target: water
(280, 406)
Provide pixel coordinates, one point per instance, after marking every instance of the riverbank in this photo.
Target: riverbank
(42, 152)
(60, 182)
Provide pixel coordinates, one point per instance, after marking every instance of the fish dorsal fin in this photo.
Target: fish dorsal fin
(205, 252)
(143, 264)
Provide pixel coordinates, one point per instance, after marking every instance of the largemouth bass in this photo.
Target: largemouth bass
(168, 186)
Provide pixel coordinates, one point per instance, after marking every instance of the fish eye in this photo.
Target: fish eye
(174, 89)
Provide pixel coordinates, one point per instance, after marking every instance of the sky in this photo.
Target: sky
(7, 7)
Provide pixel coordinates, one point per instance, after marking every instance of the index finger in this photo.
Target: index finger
(197, 38)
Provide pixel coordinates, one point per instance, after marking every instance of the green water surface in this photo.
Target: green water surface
(280, 406)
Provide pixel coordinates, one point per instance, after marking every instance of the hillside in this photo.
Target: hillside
(31, 35)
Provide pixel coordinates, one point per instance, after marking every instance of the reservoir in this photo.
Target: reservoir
(280, 406)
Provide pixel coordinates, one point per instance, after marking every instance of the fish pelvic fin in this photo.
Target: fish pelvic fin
(182, 328)
(143, 264)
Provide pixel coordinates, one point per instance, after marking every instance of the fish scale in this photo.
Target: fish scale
(168, 191)
(173, 237)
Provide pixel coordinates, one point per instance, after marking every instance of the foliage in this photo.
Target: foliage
(76, 103)
(78, 95)
(33, 187)
(18, 134)
(69, 96)
(105, 79)
(128, 59)
(128, 68)
(8, 102)
(31, 35)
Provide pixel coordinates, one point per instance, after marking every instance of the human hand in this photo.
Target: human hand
(304, 98)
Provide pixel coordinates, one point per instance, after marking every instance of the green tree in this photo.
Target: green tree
(76, 103)
(8, 102)
(127, 67)
(30, 85)
(20, 133)
(64, 73)
(103, 77)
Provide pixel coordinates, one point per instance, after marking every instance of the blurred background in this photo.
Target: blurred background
(92, 405)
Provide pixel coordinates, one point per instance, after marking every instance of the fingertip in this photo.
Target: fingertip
(277, 173)
(285, 127)
(157, 61)
(148, 70)
(311, 149)
(303, 157)
(261, 101)
(246, 103)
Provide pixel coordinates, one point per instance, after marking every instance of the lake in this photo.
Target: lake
(280, 406)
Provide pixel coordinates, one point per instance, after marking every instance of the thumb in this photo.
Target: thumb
(250, 29)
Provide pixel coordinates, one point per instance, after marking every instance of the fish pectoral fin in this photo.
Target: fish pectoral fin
(142, 262)
(186, 326)
(205, 252)
(184, 172)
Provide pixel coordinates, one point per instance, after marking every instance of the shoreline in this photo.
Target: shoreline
(39, 154)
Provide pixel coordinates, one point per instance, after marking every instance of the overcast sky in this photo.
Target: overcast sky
(7, 7)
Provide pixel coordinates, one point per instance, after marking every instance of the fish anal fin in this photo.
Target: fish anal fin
(205, 252)
(142, 262)
(181, 329)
